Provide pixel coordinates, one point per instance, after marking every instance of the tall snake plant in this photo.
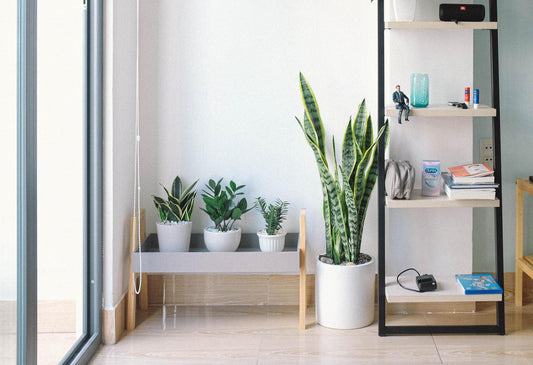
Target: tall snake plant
(346, 190)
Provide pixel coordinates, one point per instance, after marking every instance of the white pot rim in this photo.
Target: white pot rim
(280, 233)
(344, 265)
(173, 223)
(216, 231)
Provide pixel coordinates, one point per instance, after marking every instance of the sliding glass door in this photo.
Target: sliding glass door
(60, 177)
(52, 146)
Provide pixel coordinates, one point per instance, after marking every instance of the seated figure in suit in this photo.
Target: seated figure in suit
(398, 97)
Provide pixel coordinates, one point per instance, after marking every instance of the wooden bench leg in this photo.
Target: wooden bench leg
(518, 285)
(144, 291)
(137, 230)
(132, 303)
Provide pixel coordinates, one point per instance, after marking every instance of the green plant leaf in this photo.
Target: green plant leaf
(236, 214)
(313, 113)
(176, 187)
(353, 219)
(360, 124)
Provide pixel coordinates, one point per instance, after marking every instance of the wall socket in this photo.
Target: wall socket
(486, 154)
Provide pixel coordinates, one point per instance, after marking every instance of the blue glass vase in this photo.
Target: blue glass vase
(419, 90)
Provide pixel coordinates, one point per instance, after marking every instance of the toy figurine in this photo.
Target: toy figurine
(398, 98)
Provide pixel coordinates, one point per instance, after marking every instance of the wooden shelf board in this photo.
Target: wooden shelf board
(448, 290)
(247, 259)
(442, 201)
(441, 25)
(444, 111)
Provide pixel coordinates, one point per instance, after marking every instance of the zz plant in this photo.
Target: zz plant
(179, 203)
(222, 204)
(347, 186)
(274, 214)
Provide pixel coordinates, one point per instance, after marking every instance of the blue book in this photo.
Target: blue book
(448, 180)
(478, 284)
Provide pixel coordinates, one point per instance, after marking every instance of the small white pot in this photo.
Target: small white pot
(174, 236)
(217, 241)
(344, 295)
(271, 243)
(404, 10)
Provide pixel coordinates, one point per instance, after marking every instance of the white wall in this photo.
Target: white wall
(219, 93)
(216, 76)
(119, 131)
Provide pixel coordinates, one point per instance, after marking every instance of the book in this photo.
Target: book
(448, 180)
(476, 194)
(471, 170)
(478, 284)
(473, 173)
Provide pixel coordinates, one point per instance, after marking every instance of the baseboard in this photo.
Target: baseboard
(114, 322)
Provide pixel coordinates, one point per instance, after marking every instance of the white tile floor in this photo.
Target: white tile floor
(270, 335)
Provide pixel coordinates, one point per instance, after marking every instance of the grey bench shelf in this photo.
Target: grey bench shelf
(247, 259)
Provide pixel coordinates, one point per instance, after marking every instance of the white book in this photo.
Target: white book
(458, 194)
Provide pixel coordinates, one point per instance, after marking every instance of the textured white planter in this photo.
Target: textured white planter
(271, 243)
(344, 295)
(217, 241)
(174, 236)
(404, 10)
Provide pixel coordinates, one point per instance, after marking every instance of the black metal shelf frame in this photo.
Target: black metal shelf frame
(499, 327)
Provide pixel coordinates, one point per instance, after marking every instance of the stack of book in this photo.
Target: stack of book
(470, 181)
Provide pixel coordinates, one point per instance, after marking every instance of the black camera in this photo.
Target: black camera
(426, 282)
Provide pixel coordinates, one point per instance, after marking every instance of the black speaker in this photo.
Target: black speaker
(461, 13)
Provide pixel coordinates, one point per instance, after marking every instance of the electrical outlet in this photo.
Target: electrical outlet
(485, 152)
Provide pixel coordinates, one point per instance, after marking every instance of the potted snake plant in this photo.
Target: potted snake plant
(175, 212)
(224, 205)
(345, 277)
(272, 237)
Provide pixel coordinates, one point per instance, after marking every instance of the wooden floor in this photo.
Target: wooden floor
(270, 335)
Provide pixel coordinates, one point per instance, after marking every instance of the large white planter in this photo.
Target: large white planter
(271, 243)
(404, 10)
(217, 241)
(344, 295)
(174, 236)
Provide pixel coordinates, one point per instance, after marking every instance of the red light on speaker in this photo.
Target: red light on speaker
(462, 8)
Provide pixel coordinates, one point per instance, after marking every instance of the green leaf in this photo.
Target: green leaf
(313, 113)
(353, 219)
(359, 125)
(176, 187)
(236, 214)
(369, 133)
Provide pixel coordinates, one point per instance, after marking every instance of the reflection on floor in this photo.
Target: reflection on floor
(270, 335)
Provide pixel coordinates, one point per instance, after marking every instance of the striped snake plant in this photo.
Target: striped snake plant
(346, 190)
(179, 204)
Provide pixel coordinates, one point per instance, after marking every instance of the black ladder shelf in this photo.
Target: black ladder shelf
(499, 326)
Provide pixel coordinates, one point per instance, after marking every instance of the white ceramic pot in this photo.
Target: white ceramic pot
(344, 295)
(404, 10)
(217, 241)
(271, 243)
(174, 236)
